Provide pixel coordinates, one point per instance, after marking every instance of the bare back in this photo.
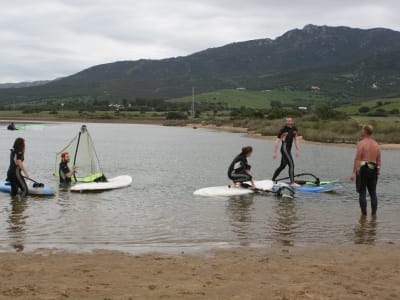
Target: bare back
(368, 150)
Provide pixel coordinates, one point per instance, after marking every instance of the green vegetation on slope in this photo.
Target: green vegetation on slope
(237, 98)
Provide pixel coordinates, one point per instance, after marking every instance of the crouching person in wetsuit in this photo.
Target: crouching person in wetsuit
(64, 171)
(14, 173)
(239, 169)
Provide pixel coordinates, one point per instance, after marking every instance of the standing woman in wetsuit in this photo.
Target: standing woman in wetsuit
(14, 173)
(239, 169)
(286, 136)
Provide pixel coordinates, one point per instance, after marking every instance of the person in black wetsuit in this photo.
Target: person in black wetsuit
(286, 136)
(64, 171)
(11, 126)
(239, 169)
(14, 173)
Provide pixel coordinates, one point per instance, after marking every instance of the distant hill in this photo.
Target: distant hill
(343, 62)
(23, 84)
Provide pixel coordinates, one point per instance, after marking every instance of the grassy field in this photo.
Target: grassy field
(256, 99)
(384, 104)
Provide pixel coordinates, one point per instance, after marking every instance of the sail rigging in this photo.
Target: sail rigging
(83, 155)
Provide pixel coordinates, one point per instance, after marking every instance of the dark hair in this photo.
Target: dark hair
(246, 150)
(368, 129)
(19, 144)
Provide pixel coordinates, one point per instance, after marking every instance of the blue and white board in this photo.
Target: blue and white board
(316, 189)
(39, 191)
(263, 185)
(110, 184)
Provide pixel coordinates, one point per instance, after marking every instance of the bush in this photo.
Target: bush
(363, 109)
(176, 115)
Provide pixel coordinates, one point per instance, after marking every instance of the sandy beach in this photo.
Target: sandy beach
(328, 272)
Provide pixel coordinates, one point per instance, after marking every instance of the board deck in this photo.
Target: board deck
(39, 191)
(112, 183)
(261, 185)
(267, 186)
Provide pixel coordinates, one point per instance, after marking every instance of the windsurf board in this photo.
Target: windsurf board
(32, 190)
(110, 184)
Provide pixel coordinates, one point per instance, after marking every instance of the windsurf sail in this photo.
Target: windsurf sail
(83, 155)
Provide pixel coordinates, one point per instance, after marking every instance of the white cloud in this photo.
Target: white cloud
(53, 38)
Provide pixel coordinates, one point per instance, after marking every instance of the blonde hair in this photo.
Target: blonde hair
(368, 129)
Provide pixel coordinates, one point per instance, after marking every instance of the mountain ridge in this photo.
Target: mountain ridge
(257, 64)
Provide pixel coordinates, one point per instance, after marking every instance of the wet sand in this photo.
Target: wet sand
(328, 272)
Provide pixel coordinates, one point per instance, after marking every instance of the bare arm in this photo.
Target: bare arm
(296, 143)
(357, 160)
(276, 144)
(21, 166)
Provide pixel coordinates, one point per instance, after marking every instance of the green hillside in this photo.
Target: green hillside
(389, 106)
(256, 99)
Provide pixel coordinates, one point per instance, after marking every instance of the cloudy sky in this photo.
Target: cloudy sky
(46, 39)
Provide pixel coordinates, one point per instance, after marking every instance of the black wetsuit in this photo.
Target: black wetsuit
(63, 171)
(14, 174)
(237, 169)
(367, 178)
(286, 149)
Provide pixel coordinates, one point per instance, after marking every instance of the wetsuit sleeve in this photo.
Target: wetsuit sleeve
(295, 132)
(245, 164)
(281, 131)
(19, 155)
(64, 170)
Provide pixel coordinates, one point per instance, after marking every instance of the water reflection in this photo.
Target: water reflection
(17, 222)
(239, 209)
(365, 231)
(285, 222)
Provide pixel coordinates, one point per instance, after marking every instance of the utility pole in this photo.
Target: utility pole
(193, 101)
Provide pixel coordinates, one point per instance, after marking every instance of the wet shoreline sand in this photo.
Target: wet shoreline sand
(326, 272)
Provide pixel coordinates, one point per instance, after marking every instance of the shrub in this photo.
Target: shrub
(363, 109)
(176, 115)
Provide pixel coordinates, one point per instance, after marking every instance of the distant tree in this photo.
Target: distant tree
(363, 109)
(276, 104)
(176, 115)
(324, 111)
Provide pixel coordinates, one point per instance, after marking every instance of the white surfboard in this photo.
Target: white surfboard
(112, 183)
(261, 185)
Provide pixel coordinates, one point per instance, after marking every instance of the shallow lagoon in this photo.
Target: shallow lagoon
(158, 211)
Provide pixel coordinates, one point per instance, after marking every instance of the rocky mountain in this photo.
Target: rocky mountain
(341, 59)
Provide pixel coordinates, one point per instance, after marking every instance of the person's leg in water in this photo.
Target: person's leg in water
(284, 163)
(363, 190)
(372, 180)
(21, 183)
(290, 162)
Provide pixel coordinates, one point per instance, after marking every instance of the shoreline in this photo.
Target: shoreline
(384, 146)
(255, 135)
(324, 272)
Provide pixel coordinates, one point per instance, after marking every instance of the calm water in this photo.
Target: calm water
(158, 211)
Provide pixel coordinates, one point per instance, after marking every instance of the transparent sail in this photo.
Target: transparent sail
(83, 155)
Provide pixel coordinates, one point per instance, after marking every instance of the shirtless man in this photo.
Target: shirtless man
(366, 169)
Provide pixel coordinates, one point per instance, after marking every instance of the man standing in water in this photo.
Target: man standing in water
(366, 169)
(64, 171)
(286, 135)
